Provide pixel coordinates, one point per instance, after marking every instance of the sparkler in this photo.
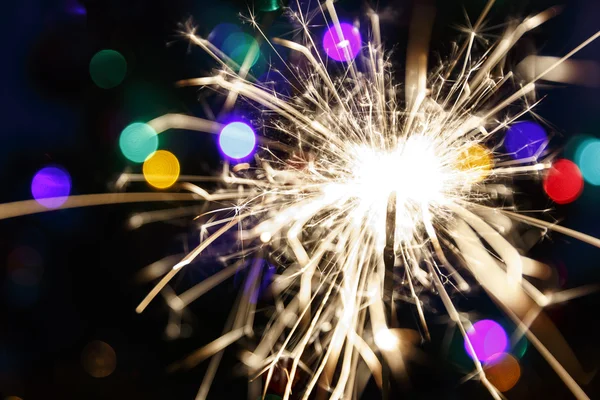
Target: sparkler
(356, 178)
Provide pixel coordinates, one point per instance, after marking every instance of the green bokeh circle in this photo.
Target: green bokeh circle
(238, 44)
(108, 68)
(138, 141)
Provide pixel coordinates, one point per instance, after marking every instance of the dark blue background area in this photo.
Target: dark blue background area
(52, 113)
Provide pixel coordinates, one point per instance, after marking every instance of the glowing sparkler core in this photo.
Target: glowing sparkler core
(413, 170)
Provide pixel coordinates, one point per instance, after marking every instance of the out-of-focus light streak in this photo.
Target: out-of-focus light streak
(530, 87)
(553, 227)
(578, 72)
(28, 207)
(181, 121)
(138, 220)
(518, 307)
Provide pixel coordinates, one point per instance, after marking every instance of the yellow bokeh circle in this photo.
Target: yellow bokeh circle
(477, 161)
(161, 170)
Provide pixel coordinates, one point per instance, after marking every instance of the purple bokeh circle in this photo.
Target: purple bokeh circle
(488, 339)
(525, 139)
(237, 140)
(335, 45)
(51, 186)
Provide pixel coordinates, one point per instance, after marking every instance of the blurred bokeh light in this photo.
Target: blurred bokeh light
(269, 5)
(161, 170)
(99, 359)
(108, 69)
(238, 45)
(237, 140)
(525, 139)
(503, 371)
(572, 149)
(588, 159)
(520, 348)
(345, 47)
(478, 159)
(25, 266)
(488, 338)
(221, 32)
(75, 7)
(138, 141)
(564, 182)
(51, 186)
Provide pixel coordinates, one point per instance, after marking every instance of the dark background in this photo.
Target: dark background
(52, 113)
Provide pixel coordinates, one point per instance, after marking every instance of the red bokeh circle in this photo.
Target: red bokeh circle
(564, 182)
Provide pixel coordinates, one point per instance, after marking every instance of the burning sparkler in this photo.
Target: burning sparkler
(359, 197)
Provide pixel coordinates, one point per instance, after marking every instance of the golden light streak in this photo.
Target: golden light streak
(28, 207)
(186, 260)
(182, 121)
(579, 72)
